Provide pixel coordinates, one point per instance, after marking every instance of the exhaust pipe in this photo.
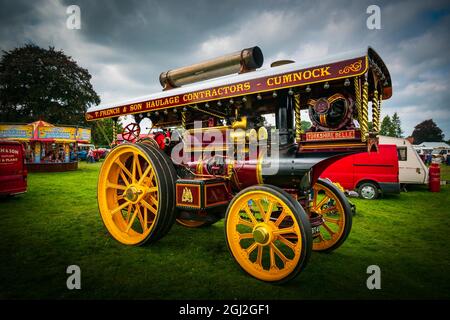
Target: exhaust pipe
(239, 62)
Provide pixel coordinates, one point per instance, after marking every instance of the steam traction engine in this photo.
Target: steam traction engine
(212, 155)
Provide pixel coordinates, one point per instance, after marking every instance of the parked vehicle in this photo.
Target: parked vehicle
(412, 169)
(13, 172)
(370, 174)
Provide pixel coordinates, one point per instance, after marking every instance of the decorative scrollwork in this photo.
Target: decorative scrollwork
(355, 67)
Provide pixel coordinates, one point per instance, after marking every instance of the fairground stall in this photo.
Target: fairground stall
(48, 148)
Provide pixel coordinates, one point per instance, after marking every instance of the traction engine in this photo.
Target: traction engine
(228, 142)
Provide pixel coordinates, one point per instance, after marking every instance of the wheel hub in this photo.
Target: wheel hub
(132, 194)
(262, 234)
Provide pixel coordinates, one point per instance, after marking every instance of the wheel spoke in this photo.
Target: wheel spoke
(272, 259)
(259, 256)
(286, 242)
(115, 186)
(149, 207)
(124, 169)
(245, 236)
(124, 178)
(262, 212)
(322, 202)
(328, 210)
(269, 212)
(245, 222)
(250, 249)
(152, 189)
(284, 231)
(335, 221)
(138, 165)
(130, 223)
(145, 218)
(119, 208)
(279, 253)
(143, 175)
(129, 212)
(133, 172)
(250, 213)
(280, 218)
(141, 219)
(331, 232)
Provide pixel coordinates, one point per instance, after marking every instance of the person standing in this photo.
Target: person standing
(90, 156)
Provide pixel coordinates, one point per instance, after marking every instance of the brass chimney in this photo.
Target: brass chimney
(239, 62)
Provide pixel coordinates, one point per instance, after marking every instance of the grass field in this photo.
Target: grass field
(56, 224)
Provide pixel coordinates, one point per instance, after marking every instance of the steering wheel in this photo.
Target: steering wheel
(131, 132)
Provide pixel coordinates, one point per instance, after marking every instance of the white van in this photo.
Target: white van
(412, 170)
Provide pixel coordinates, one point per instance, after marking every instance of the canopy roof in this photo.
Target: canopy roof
(267, 79)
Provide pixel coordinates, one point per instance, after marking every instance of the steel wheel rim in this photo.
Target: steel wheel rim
(128, 194)
(368, 192)
(333, 216)
(269, 258)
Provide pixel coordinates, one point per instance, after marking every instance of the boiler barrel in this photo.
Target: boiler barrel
(244, 60)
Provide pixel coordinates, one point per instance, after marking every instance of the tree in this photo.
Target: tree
(396, 126)
(102, 132)
(386, 126)
(38, 83)
(427, 131)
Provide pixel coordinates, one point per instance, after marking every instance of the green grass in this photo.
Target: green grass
(56, 224)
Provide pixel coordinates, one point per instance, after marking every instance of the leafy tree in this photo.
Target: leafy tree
(38, 83)
(102, 132)
(427, 131)
(396, 126)
(386, 126)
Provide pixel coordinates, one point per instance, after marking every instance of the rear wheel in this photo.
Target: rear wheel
(135, 194)
(368, 191)
(330, 216)
(268, 233)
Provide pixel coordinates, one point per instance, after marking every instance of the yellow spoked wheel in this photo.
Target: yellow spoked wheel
(268, 233)
(136, 194)
(330, 216)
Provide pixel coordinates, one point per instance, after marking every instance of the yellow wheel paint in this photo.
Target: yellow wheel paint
(128, 194)
(264, 235)
(326, 204)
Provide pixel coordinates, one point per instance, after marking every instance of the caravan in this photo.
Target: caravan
(412, 170)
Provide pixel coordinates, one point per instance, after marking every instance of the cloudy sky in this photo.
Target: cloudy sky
(126, 44)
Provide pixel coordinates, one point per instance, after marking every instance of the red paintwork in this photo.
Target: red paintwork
(13, 172)
(349, 171)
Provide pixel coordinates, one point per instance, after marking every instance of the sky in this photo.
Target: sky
(125, 45)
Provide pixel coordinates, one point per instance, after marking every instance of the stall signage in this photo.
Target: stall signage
(8, 131)
(67, 133)
(84, 134)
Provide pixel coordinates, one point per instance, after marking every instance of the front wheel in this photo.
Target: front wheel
(268, 233)
(136, 194)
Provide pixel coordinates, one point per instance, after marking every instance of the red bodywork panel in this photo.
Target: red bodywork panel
(13, 172)
(381, 167)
